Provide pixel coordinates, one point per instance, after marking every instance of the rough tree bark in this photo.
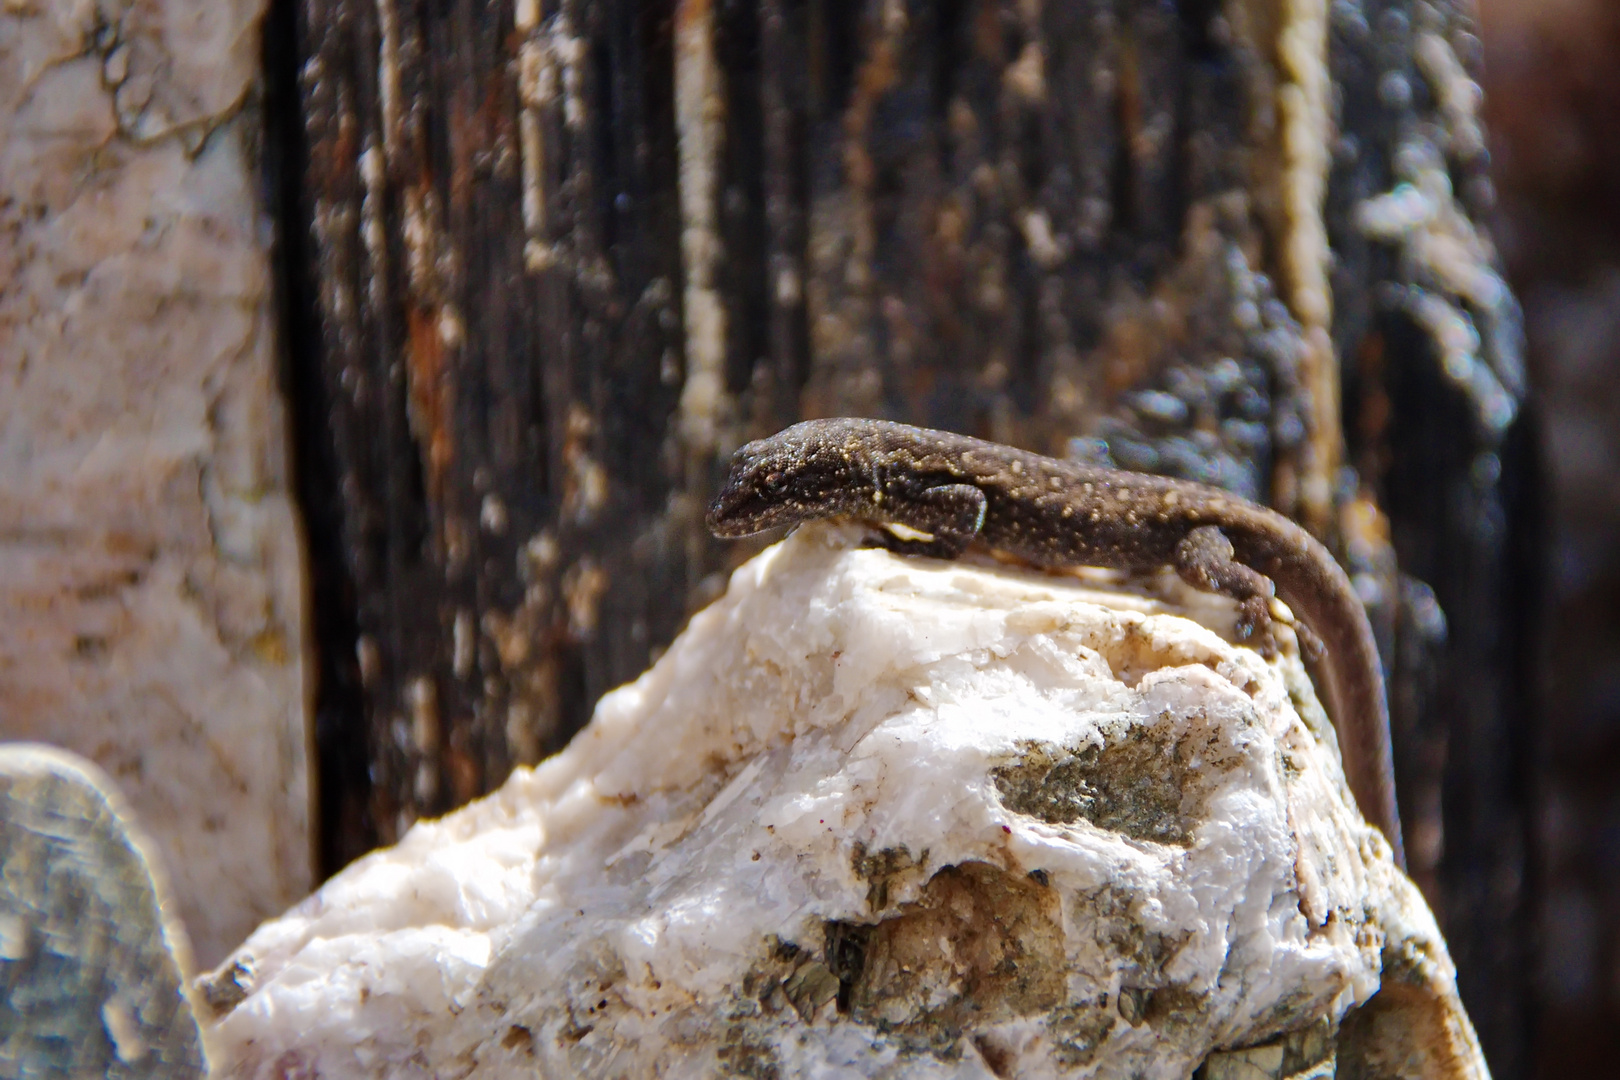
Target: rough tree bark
(548, 263)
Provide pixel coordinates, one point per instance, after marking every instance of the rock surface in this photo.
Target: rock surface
(149, 559)
(877, 816)
(91, 957)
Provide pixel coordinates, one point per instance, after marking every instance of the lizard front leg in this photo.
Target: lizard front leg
(951, 515)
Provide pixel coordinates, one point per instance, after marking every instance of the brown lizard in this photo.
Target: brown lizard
(1058, 514)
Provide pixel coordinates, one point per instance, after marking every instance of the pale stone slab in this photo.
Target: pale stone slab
(879, 816)
(149, 557)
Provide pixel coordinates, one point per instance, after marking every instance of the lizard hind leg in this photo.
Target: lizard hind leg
(1205, 560)
(948, 516)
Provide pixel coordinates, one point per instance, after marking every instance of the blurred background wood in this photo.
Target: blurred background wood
(1553, 102)
(544, 265)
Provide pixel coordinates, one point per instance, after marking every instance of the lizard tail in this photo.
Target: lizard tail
(1348, 673)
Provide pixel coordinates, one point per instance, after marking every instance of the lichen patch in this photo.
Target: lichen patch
(979, 945)
(1150, 787)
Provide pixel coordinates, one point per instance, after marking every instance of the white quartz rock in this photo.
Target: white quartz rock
(873, 816)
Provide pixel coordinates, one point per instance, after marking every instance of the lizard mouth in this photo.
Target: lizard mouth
(728, 514)
(740, 509)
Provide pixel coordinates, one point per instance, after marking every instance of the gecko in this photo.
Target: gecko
(935, 493)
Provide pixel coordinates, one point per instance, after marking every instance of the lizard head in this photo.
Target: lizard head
(803, 472)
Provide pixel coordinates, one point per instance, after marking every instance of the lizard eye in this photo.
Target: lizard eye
(773, 479)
